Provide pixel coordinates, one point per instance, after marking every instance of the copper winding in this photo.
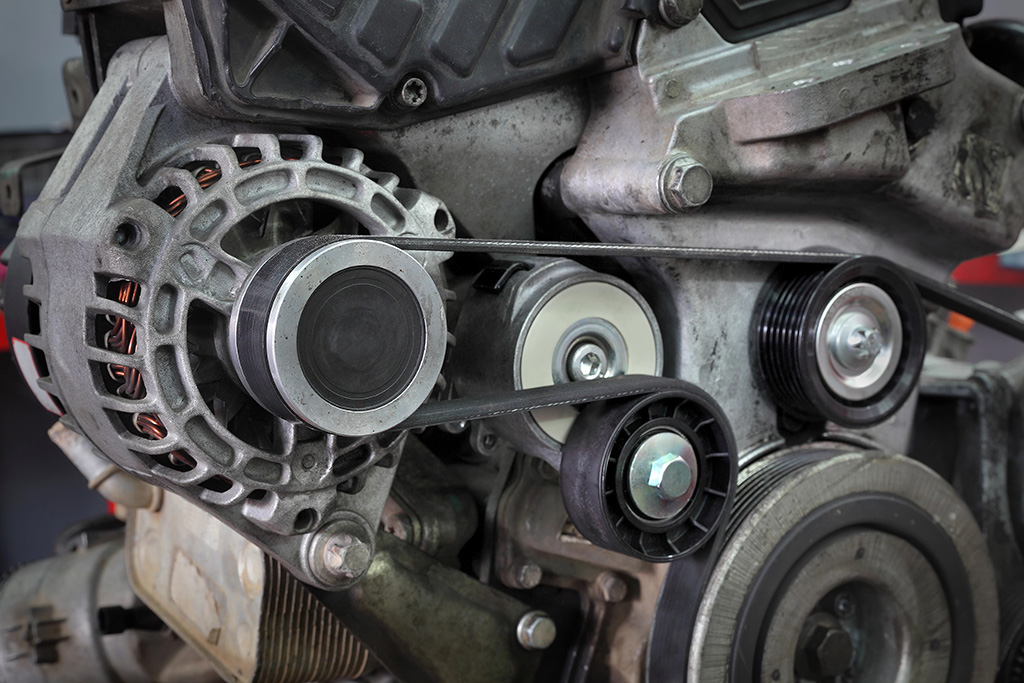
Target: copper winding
(122, 339)
(206, 175)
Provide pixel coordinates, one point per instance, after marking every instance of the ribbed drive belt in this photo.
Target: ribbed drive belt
(463, 409)
(686, 579)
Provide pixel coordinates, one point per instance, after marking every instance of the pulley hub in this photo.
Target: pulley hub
(858, 341)
(347, 336)
(662, 474)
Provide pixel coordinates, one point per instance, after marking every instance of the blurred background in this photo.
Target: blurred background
(41, 493)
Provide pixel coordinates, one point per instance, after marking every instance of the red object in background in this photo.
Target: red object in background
(4, 344)
(987, 271)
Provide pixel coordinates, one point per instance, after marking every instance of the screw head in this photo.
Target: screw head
(536, 630)
(662, 474)
(413, 92)
(685, 183)
(844, 606)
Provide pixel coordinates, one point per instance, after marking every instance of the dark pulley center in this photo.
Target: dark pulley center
(361, 338)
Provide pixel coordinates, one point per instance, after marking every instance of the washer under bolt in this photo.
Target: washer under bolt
(536, 630)
(676, 13)
(685, 183)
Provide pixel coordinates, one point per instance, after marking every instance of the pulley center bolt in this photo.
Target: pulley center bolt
(858, 342)
(587, 361)
(855, 341)
(662, 474)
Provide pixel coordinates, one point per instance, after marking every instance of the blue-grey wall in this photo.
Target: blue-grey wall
(32, 50)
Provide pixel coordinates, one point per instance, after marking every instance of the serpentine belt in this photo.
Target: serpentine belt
(684, 584)
(463, 409)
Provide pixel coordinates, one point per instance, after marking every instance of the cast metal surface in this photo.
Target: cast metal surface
(570, 395)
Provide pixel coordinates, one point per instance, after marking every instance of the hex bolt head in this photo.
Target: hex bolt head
(685, 183)
(346, 556)
(412, 92)
(670, 476)
(676, 13)
(661, 474)
(536, 630)
(528, 575)
(829, 651)
(340, 553)
(611, 587)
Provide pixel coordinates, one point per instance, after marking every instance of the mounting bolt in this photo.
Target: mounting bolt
(525, 575)
(611, 587)
(685, 183)
(412, 92)
(670, 476)
(340, 553)
(676, 13)
(536, 630)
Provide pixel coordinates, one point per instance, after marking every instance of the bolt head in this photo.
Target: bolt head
(611, 587)
(587, 361)
(340, 553)
(536, 630)
(346, 556)
(529, 575)
(676, 13)
(866, 342)
(661, 474)
(686, 183)
(844, 606)
(670, 476)
(830, 650)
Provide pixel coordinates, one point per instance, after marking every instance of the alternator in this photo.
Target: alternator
(214, 362)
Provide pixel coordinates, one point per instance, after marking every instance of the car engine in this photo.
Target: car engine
(499, 341)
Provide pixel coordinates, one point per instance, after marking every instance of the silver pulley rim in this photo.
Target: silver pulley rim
(858, 341)
(282, 344)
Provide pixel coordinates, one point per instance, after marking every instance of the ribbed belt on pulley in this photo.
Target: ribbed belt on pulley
(463, 409)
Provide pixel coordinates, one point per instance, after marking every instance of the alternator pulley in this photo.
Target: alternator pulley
(346, 336)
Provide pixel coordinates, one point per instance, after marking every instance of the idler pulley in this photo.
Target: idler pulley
(844, 345)
(650, 477)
